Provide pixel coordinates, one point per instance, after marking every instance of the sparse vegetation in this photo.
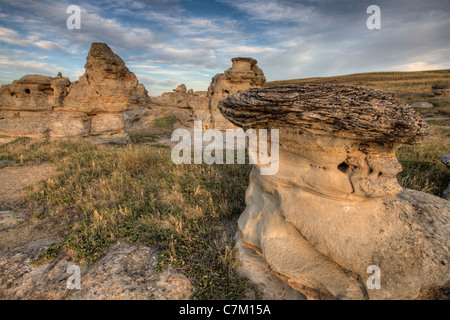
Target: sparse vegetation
(422, 168)
(136, 194)
(143, 137)
(164, 122)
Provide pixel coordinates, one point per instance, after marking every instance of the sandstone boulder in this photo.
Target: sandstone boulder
(189, 105)
(34, 93)
(441, 89)
(126, 272)
(243, 74)
(106, 86)
(92, 108)
(335, 209)
(193, 106)
(45, 124)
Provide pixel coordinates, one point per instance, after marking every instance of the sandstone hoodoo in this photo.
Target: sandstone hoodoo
(106, 86)
(190, 105)
(243, 75)
(201, 106)
(335, 209)
(39, 106)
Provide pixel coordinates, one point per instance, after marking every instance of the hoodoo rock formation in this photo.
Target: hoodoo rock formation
(243, 75)
(92, 108)
(202, 106)
(335, 208)
(190, 105)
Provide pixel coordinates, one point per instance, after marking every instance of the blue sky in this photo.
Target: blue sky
(166, 43)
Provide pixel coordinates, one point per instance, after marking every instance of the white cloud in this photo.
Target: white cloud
(13, 37)
(273, 10)
(167, 44)
(48, 45)
(148, 80)
(245, 50)
(30, 66)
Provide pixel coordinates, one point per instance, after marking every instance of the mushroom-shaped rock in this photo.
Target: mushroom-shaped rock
(243, 75)
(334, 209)
(352, 112)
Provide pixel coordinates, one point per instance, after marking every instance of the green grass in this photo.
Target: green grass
(439, 122)
(164, 122)
(143, 137)
(136, 194)
(422, 168)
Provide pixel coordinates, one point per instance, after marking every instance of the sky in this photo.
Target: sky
(169, 42)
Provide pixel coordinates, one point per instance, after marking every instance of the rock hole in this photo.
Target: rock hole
(27, 91)
(343, 167)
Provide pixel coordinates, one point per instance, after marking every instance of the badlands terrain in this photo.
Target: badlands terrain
(86, 179)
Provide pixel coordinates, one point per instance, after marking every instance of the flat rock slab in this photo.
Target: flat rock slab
(422, 105)
(446, 193)
(10, 218)
(354, 112)
(125, 272)
(445, 159)
(6, 163)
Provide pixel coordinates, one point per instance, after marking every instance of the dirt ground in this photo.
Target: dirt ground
(13, 179)
(125, 272)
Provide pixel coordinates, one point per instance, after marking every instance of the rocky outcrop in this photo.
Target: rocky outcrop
(189, 105)
(34, 93)
(125, 272)
(243, 75)
(106, 86)
(334, 209)
(441, 89)
(92, 108)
